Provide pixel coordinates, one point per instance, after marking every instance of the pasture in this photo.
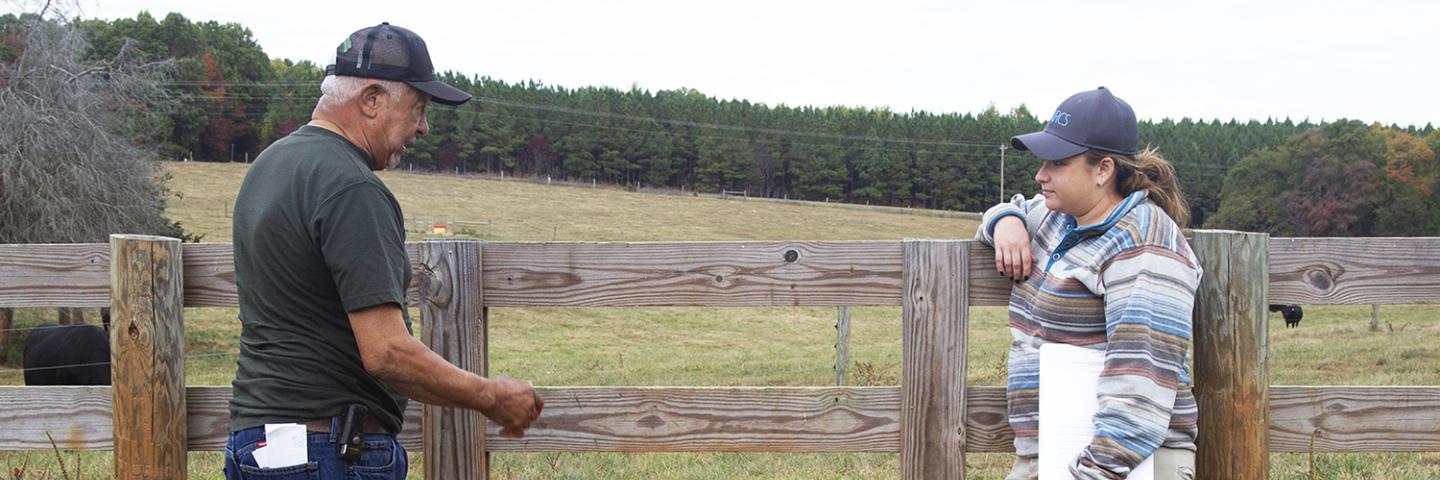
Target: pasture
(751, 346)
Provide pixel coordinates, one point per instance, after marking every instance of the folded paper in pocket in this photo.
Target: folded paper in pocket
(284, 446)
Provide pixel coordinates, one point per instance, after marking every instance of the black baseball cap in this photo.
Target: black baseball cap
(1094, 119)
(389, 52)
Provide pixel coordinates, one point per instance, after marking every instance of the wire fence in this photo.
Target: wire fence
(105, 363)
(53, 325)
(812, 370)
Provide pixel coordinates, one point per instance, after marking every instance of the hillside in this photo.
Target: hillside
(521, 211)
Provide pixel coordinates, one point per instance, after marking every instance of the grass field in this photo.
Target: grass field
(702, 346)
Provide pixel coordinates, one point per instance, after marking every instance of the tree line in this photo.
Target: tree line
(1344, 178)
(227, 100)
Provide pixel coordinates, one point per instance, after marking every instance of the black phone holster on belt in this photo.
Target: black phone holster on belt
(351, 440)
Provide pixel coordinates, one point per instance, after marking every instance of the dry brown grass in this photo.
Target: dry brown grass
(522, 211)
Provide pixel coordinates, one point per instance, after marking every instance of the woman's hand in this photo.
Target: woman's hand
(1012, 248)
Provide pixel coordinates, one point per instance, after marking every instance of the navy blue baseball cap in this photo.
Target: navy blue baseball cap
(1094, 119)
(389, 52)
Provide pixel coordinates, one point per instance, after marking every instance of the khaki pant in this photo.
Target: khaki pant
(1170, 464)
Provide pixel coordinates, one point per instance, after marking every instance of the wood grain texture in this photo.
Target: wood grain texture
(1354, 419)
(55, 275)
(578, 419)
(78, 417)
(716, 419)
(147, 357)
(987, 288)
(210, 275)
(608, 419)
(1231, 375)
(454, 326)
(1354, 271)
(692, 274)
(934, 316)
(540, 274)
(1308, 271)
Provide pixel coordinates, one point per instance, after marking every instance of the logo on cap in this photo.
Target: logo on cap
(1060, 118)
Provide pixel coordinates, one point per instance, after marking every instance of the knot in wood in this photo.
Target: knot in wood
(791, 256)
(434, 285)
(651, 421)
(1320, 279)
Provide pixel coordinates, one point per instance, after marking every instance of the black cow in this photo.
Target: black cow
(67, 355)
(1292, 314)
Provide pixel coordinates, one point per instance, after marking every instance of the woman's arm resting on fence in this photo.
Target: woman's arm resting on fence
(408, 366)
(1018, 206)
(1012, 249)
(1149, 297)
(1006, 227)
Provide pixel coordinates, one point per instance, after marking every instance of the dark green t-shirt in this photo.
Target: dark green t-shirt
(316, 235)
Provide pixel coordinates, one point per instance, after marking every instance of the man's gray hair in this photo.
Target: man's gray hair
(339, 89)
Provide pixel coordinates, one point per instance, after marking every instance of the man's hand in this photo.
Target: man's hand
(515, 405)
(1012, 248)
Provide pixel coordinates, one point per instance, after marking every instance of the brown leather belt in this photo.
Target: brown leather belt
(372, 425)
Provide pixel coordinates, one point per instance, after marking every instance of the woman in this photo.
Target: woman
(1100, 262)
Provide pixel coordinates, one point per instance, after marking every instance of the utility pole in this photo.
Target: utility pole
(1002, 171)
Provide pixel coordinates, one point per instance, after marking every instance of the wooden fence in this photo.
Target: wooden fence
(150, 419)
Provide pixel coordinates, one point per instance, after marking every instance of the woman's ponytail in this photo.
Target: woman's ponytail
(1148, 171)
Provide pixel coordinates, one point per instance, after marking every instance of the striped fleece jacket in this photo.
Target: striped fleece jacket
(1125, 286)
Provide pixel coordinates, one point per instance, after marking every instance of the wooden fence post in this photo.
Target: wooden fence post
(1232, 383)
(934, 314)
(454, 324)
(147, 361)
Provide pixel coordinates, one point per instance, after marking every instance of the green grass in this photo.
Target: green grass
(1334, 346)
(737, 346)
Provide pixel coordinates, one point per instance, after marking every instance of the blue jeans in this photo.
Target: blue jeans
(382, 459)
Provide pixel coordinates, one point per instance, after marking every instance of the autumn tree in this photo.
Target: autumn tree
(1341, 179)
(1409, 204)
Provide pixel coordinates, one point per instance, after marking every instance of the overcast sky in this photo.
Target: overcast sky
(1317, 59)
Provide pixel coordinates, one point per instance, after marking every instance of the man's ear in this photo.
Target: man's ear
(369, 98)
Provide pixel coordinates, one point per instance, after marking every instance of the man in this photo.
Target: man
(321, 268)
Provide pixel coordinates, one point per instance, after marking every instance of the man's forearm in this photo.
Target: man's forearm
(407, 365)
(419, 373)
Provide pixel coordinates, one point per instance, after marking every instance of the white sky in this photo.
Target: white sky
(1371, 60)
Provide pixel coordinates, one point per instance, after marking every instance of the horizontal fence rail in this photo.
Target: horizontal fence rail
(716, 274)
(1308, 271)
(771, 419)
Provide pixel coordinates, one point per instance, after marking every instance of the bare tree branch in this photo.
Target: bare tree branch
(71, 170)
